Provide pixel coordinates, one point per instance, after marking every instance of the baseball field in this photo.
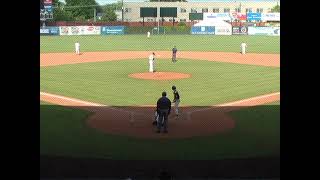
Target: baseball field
(100, 103)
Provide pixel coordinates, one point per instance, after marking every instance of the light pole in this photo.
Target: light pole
(122, 8)
(94, 14)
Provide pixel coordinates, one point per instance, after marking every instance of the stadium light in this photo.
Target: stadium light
(122, 8)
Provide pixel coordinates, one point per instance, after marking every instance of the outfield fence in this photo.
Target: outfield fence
(163, 30)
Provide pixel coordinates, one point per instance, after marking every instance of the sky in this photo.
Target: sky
(103, 2)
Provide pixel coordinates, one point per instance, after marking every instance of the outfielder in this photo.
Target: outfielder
(148, 34)
(151, 62)
(176, 100)
(77, 46)
(243, 48)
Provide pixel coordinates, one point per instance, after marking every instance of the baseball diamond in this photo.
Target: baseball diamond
(216, 86)
(124, 83)
(108, 95)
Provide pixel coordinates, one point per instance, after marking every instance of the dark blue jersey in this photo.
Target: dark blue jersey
(174, 50)
(164, 103)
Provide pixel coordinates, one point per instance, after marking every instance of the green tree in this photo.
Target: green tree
(82, 8)
(109, 15)
(115, 6)
(168, 0)
(59, 13)
(276, 8)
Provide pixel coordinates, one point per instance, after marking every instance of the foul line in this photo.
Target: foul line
(70, 99)
(249, 99)
(232, 103)
(131, 113)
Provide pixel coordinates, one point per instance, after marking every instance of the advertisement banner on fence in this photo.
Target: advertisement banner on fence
(80, 30)
(270, 16)
(202, 30)
(107, 30)
(238, 16)
(223, 30)
(64, 30)
(49, 31)
(242, 30)
(276, 31)
(271, 31)
(91, 30)
(241, 16)
(254, 16)
(215, 16)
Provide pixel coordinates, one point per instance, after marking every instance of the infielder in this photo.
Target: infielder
(151, 62)
(77, 46)
(174, 54)
(243, 48)
(176, 100)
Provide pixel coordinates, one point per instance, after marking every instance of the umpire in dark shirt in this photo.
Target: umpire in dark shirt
(163, 109)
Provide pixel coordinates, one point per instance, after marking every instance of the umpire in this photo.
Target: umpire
(163, 109)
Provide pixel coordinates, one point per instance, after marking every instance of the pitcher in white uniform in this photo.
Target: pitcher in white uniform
(77, 46)
(151, 62)
(243, 48)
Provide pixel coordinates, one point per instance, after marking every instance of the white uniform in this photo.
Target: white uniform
(243, 48)
(148, 34)
(77, 46)
(151, 63)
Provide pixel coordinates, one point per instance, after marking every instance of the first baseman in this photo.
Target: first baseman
(176, 100)
(243, 48)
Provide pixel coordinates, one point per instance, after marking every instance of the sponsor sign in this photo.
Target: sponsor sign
(243, 30)
(215, 16)
(254, 16)
(238, 16)
(203, 30)
(107, 30)
(48, 8)
(223, 30)
(80, 30)
(271, 31)
(45, 2)
(276, 31)
(49, 31)
(270, 16)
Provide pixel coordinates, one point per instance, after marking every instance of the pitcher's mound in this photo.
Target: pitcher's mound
(160, 75)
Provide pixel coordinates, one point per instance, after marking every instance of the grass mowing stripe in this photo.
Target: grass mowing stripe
(256, 44)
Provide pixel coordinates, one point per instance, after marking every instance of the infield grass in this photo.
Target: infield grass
(108, 82)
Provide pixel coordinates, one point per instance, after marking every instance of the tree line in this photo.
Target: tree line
(81, 10)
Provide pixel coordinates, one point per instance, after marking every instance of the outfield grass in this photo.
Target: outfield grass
(256, 44)
(63, 132)
(108, 83)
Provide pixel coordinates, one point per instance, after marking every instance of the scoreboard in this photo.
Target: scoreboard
(46, 10)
